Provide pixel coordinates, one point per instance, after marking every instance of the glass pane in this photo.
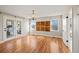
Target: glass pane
(18, 27)
(54, 24)
(10, 28)
(33, 24)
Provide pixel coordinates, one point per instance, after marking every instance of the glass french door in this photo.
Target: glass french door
(10, 28)
(18, 27)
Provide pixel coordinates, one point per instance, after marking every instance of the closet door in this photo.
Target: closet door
(8, 27)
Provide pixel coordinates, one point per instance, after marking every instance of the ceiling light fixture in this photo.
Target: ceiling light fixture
(34, 15)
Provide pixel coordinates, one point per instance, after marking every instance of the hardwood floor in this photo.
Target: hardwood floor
(34, 44)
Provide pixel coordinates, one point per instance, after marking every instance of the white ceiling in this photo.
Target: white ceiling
(42, 10)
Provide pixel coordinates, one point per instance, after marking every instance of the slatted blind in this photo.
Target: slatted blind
(43, 26)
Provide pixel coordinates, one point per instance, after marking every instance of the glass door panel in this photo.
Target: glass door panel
(18, 27)
(10, 28)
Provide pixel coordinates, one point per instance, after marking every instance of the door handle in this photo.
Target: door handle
(5, 29)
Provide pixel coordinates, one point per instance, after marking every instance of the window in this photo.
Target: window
(33, 24)
(54, 23)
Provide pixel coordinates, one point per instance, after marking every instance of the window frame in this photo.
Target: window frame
(51, 25)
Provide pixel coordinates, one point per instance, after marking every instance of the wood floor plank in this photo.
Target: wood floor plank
(34, 44)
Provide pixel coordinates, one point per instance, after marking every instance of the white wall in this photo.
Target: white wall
(0, 27)
(51, 33)
(66, 29)
(25, 27)
(76, 29)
